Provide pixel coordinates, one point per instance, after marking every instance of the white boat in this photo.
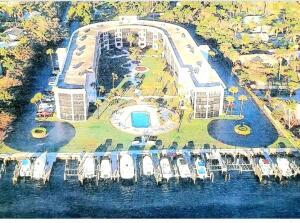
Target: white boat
(126, 167)
(201, 168)
(105, 168)
(25, 168)
(87, 167)
(148, 169)
(166, 168)
(39, 166)
(183, 168)
(265, 167)
(284, 167)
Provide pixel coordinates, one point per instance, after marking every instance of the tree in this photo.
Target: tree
(233, 90)
(37, 98)
(292, 88)
(82, 11)
(50, 52)
(113, 94)
(114, 78)
(131, 38)
(242, 99)
(290, 107)
(98, 104)
(101, 89)
(245, 43)
(281, 54)
(135, 53)
(230, 101)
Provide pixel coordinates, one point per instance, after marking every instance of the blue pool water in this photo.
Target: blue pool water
(140, 119)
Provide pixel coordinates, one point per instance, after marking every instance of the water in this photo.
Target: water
(242, 196)
(140, 119)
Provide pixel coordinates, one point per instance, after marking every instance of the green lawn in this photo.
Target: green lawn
(92, 134)
(156, 78)
(194, 130)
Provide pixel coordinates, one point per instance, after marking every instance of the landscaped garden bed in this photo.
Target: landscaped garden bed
(242, 129)
(141, 69)
(39, 132)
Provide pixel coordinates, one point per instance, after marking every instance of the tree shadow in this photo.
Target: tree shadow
(105, 147)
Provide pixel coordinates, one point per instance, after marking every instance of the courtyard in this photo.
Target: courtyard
(100, 133)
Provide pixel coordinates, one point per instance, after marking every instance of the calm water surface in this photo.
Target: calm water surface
(242, 196)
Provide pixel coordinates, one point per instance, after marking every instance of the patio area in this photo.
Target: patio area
(134, 120)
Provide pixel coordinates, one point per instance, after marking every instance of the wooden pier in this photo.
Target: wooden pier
(157, 169)
(217, 160)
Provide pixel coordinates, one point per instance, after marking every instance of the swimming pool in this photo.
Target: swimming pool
(140, 119)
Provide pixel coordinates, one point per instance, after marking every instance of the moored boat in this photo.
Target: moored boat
(201, 168)
(126, 167)
(265, 166)
(148, 169)
(166, 168)
(183, 168)
(105, 168)
(87, 167)
(284, 167)
(39, 166)
(25, 168)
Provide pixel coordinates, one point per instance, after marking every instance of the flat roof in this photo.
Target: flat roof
(81, 51)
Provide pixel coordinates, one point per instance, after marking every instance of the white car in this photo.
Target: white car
(52, 81)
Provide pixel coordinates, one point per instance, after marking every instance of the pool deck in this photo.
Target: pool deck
(121, 120)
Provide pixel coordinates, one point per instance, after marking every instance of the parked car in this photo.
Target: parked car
(52, 81)
(44, 106)
(44, 114)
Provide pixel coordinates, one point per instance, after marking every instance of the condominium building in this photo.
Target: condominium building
(196, 80)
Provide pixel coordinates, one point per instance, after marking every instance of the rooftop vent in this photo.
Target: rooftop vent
(79, 53)
(81, 73)
(81, 48)
(196, 70)
(75, 66)
(82, 37)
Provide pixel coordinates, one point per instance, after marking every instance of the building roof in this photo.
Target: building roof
(252, 19)
(80, 56)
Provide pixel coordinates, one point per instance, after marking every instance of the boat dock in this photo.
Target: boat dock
(36, 167)
(86, 166)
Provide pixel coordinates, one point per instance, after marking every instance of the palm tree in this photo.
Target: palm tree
(292, 87)
(230, 101)
(98, 104)
(101, 89)
(131, 38)
(290, 107)
(50, 52)
(233, 90)
(113, 94)
(242, 99)
(114, 78)
(281, 54)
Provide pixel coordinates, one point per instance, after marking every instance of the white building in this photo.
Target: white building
(13, 34)
(258, 31)
(197, 81)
